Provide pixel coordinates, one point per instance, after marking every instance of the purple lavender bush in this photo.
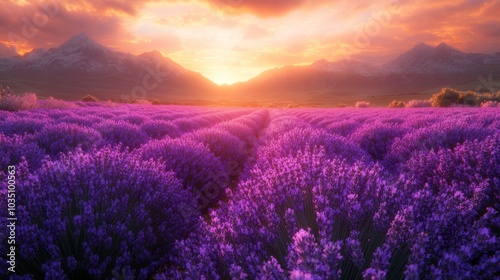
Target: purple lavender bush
(62, 138)
(193, 163)
(110, 191)
(229, 148)
(121, 133)
(343, 128)
(16, 148)
(21, 125)
(302, 139)
(305, 215)
(158, 129)
(89, 215)
(446, 134)
(376, 138)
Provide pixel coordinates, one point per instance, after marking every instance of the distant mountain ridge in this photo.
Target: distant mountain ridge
(422, 58)
(82, 66)
(422, 68)
(443, 58)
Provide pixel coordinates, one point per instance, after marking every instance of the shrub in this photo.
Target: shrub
(342, 105)
(483, 97)
(89, 98)
(13, 102)
(62, 138)
(187, 124)
(53, 103)
(308, 217)
(88, 215)
(448, 97)
(141, 101)
(121, 133)
(343, 128)
(87, 121)
(5, 91)
(194, 164)
(458, 186)
(397, 104)
(418, 104)
(376, 138)
(279, 124)
(136, 119)
(246, 133)
(302, 140)
(469, 98)
(445, 98)
(158, 129)
(155, 102)
(14, 148)
(447, 135)
(490, 104)
(229, 148)
(304, 214)
(363, 104)
(21, 125)
(470, 163)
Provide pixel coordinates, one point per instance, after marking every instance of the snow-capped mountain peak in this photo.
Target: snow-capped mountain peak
(83, 55)
(422, 47)
(421, 59)
(442, 58)
(445, 47)
(80, 41)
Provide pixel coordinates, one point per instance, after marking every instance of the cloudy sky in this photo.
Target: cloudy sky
(234, 40)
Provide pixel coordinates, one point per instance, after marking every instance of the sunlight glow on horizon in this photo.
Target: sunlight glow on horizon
(230, 48)
(234, 43)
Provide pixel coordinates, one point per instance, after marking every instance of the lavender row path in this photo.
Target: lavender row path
(353, 194)
(110, 191)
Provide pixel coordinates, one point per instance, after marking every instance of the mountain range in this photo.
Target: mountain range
(422, 68)
(82, 66)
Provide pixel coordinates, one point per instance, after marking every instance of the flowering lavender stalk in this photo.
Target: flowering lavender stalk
(89, 214)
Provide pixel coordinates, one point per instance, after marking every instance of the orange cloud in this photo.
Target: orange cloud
(217, 36)
(265, 8)
(45, 24)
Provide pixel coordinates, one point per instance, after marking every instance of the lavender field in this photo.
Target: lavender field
(172, 192)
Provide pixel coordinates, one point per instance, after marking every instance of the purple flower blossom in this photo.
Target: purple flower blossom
(172, 192)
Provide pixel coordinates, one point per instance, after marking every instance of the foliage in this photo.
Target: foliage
(89, 98)
(193, 163)
(362, 104)
(376, 138)
(89, 214)
(490, 104)
(418, 104)
(16, 102)
(448, 97)
(62, 138)
(5, 90)
(445, 98)
(121, 133)
(53, 103)
(175, 192)
(397, 104)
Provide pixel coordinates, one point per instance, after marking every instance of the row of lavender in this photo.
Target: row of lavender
(348, 194)
(107, 190)
(301, 194)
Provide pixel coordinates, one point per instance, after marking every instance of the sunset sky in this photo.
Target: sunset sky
(234, 40)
